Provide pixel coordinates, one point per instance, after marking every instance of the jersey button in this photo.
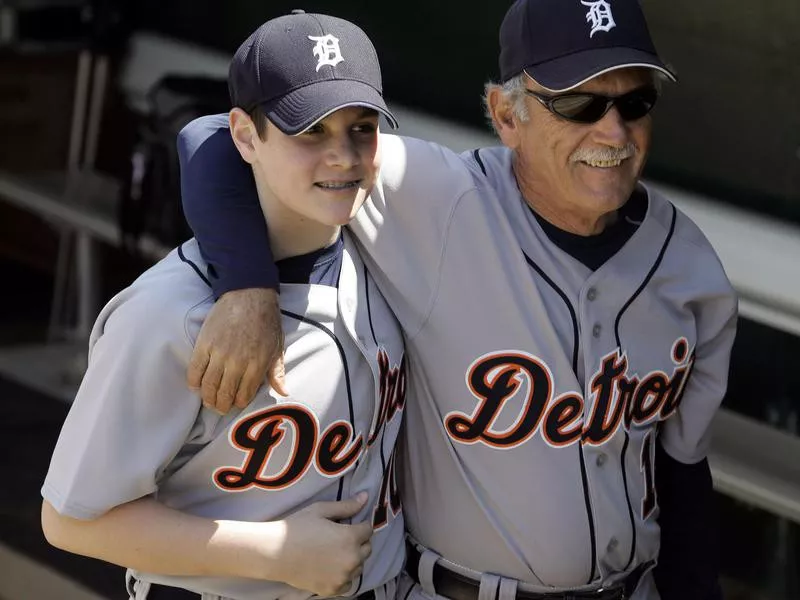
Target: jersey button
(601, 459)
(591, 295)
(597, 330)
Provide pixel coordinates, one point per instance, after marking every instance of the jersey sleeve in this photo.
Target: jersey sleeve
(221, 205)
(685, 435)
(132, 413)
(403, 227)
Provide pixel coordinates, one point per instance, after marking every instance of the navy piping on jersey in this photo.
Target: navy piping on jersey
(575, 344)
(383, 437)
(625, 307)
(369, 308)
(375, 340)
(589, 514)
(196, 269)
(649, 275)
(575, 335)
(477, 156)
(330, 334)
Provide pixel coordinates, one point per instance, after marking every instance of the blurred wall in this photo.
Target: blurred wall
(730, 129)
(732, 126)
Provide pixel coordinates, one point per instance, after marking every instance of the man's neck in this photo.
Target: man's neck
(288, 242)
(572, 222)
(563, 215)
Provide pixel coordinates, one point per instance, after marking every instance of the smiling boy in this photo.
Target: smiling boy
(247, 506)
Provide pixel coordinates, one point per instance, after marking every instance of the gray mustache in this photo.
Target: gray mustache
(608, 153)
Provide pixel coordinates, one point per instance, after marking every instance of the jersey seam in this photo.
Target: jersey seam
(69, 508)
(192, 265)
(437, 285)
(684, 237)
(188, 315)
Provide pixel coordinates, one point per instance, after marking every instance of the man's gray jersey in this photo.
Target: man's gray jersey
(135, 429)
(536, 386)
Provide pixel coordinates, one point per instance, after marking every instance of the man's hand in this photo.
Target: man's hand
(240, 342)
(323, 556)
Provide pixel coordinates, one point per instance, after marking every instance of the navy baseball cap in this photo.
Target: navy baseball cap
(564, 43)
(302, 67)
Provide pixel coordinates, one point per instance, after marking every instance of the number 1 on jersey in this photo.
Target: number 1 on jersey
(649, 500)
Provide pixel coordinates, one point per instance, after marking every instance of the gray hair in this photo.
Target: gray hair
(514, 92)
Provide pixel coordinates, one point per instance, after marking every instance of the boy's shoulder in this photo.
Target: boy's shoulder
(168, 302)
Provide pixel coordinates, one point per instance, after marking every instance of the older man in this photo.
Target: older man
(568, 329)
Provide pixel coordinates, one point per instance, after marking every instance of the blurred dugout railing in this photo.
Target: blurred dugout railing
(751, 461)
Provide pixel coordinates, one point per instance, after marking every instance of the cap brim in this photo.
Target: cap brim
(300, 109)
(568, 72)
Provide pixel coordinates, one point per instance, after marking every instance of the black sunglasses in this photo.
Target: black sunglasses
(590, 108)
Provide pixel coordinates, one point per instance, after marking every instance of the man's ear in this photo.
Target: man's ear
(244, 134)
(504, 120)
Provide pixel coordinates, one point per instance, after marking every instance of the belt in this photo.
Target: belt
(166, 592)
(460, 587)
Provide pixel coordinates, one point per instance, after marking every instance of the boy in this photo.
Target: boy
(243, 506)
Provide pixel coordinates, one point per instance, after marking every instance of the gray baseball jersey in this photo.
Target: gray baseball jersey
(135, 429)
(536, 386)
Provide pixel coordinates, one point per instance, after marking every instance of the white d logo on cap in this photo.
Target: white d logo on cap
(599, 16)
(326, 50)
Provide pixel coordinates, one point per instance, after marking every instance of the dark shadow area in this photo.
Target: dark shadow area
(764, 381)
(760, 552)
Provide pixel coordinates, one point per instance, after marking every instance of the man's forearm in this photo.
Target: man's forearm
(148, 536)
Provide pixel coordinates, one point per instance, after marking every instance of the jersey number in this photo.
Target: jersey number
(649, 500)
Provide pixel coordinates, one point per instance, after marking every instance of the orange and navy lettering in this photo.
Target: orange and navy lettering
(618, 399)
(332, 452)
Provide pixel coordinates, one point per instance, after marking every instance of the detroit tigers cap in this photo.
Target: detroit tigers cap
(302, 67)
(564, 43)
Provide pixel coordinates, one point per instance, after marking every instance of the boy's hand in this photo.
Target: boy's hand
(323, 556)
(240, 341)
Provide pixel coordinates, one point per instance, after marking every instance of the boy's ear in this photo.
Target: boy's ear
(244, 134)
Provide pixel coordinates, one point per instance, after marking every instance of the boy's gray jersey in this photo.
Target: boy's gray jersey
(135, 429)
(536, 386)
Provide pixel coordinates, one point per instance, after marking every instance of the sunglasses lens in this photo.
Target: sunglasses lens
(583, 108)
(637, 103)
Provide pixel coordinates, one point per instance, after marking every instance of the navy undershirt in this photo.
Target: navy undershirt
(594, 250)
(320, 267)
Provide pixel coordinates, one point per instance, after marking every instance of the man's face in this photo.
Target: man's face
(557, 159)
(324, 174)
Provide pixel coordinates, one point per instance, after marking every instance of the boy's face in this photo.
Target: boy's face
(325, 173)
